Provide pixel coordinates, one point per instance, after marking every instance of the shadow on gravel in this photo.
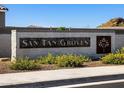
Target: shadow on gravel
(66, 82)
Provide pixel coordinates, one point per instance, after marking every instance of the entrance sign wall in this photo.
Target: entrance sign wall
(34, 44)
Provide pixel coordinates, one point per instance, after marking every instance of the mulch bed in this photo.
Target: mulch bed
(4, 66)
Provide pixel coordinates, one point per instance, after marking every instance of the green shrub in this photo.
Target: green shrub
(71, 60)
(121, 51)
(61, 29)
(25, 64)
(116, 58)
(49, 59)
(63, 60)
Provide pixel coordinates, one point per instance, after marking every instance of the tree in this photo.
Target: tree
(61, 29)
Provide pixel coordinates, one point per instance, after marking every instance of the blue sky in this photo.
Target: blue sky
(56, 15)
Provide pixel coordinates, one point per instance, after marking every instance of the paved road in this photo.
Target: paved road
(98, 84)
(111, 85)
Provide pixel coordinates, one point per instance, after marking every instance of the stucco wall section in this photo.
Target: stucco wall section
(5, 45)
(2, 19)
(36, 52)
(119, 41)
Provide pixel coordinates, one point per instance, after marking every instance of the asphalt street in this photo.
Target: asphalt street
(110, 85)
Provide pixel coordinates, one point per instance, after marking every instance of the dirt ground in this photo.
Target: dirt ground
(4, 66)
(96, 64)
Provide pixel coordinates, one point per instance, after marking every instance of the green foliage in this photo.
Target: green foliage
(61, 29)
(63, 60)
(111, 58)
(49, 59)
(25, 64)
(121, 51)
(71, 60)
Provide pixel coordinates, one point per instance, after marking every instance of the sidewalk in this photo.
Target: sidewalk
(62, 74)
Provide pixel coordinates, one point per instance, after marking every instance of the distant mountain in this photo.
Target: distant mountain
(115, 22)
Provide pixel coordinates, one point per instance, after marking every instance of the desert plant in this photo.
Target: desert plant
(71, 60)
(111, 58)
(25, 64)
(49, 59)
(121, 51)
